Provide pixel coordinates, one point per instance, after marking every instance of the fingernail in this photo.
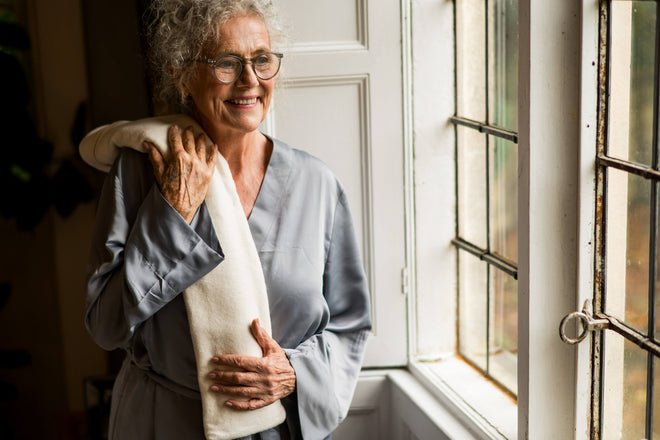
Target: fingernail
(212, 376)
(215, 360)
(229, 404)
(215, 388)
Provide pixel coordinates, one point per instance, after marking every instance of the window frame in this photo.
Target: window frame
(588, 117)
(470, 251)
(605, 160)
(557, 41)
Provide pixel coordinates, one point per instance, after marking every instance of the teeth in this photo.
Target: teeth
(243, 101)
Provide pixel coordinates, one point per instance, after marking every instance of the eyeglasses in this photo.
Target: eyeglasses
(227, 69)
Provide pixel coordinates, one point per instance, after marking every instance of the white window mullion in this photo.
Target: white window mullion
(548, 247)
(434, 300)
(587, 204)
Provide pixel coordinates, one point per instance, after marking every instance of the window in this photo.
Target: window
(486, 185)
(552, 247)
(626, 402)
(466, 160)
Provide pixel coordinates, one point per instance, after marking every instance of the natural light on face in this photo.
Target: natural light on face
(628, 220)
(487, 186)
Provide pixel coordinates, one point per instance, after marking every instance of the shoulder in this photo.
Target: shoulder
(306, 168)
(131, 174)
(130, 158)
(131, 163)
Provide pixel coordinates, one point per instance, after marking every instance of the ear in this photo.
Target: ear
(181, 81)
(185, 93)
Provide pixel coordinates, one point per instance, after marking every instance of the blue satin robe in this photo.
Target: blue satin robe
(144, 255)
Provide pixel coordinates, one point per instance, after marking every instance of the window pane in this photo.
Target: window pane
(503, 198)
(631, 81)
(503, 350)
(472, 308)
(627, 248)
(471, 59)
(503, 63)
(624, 389)
(472, 185)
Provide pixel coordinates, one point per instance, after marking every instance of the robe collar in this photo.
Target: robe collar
(269, 200)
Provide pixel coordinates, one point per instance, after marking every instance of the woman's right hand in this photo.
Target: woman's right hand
(185, 174)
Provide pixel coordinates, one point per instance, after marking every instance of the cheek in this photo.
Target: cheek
(268, 96)
(207, 93)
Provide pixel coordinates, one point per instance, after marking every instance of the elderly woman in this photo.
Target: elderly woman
(154, 238)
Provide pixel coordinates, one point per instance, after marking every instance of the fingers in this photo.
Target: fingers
(212, 155)
(200, 146)
(155, 157)
(194, 145)
(240, 362)
(248, 391)
(268, 345)
(254, 381)
(240, 392)
(185, 173)
(188, 138)
(235, 378)
(247, 405)
(174, 139)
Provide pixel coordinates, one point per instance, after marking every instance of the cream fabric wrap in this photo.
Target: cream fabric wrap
(222, 304)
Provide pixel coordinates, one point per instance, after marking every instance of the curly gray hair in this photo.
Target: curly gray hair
(176, 32)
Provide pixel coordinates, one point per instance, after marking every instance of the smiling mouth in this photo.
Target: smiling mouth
(243, 101)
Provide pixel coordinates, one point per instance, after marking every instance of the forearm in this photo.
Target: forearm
(143, 255)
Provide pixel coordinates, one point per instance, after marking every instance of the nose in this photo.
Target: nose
(247, 78)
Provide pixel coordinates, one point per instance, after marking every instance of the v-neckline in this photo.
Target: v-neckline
(269, 198)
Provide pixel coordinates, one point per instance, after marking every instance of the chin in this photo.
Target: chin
(251, 125)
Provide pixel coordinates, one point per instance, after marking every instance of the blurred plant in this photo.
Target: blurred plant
(25, 159)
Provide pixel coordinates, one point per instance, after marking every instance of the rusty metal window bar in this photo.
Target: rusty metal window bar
(493, 140)
(483, 127)
(499, 262)
(626, 228)
(606, 161)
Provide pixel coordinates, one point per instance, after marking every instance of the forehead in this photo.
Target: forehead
(242, 35)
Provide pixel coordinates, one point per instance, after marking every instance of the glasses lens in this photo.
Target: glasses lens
(227, 69)
(266, 65)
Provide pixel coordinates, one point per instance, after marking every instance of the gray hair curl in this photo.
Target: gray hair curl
(176, 32)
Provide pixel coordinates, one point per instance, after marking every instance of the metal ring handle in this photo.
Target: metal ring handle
(585, 324)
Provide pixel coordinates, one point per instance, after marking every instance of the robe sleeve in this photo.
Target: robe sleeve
(143, 252)
(328, 364)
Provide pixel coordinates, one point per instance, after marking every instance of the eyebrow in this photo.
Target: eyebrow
(257, 51)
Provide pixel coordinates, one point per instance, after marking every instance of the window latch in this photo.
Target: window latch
(586, 320)
(603, 321)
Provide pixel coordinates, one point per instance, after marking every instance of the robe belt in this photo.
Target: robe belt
(167, 383)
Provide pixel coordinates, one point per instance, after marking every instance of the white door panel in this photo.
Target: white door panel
(337, 123)
(346, 29)
(369, 416)
(341, 100)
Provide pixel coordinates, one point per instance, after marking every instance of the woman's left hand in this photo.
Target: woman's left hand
(262, 381)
